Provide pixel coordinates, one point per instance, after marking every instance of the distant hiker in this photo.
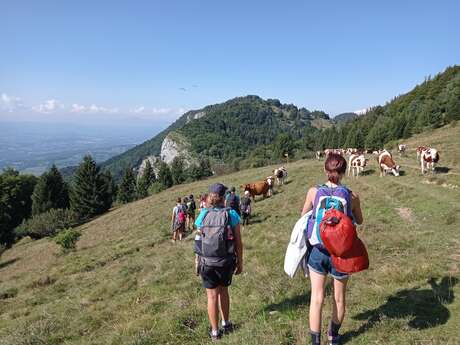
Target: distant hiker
(245, 206)
(203, 202)
(220, 251)
(330, 194)
(178, 217)
(191, 209)
(233, 201)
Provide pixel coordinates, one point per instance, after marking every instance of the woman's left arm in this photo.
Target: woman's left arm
(308, 205)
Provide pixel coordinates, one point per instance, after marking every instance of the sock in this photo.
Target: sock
(215, 332)
(315, 338)
(225, 323)
(334, 329)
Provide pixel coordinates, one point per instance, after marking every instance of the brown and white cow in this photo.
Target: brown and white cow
(402, 149)
(356, 164)
(387, 164)
(256, 188)
(428, 158)
(281, 175)
(420, 149)
(271, 183)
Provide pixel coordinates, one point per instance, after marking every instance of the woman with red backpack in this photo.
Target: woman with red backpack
(178, 217)
(331, 194)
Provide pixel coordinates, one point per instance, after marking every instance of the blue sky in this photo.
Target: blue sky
(152, 60)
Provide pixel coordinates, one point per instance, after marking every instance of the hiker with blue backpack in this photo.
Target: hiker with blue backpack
(220, 255)
(320, 199)
(178, 218)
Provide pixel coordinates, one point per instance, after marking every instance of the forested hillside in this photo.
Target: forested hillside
(432, 104)
(228, 132)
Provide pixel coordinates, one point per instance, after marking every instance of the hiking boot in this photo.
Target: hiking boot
(215, 337)
(228, 328)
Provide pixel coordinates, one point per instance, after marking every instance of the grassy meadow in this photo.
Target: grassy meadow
(127, 284)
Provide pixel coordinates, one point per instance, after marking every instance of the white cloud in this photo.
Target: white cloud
(10, 103)
(138, 110)
(48, 106)
(77, 108)
(93, 108)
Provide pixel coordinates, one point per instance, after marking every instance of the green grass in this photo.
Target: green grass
(128, 284)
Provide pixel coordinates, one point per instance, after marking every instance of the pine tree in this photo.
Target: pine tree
(149, 174)
(145, 180)
(164, 175)
(90, 191)
(110, 190)
(177, 170)
(127, 189)
(50, 192)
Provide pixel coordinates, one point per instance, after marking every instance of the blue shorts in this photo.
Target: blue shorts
(320, 261)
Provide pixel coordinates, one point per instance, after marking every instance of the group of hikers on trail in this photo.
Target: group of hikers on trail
(183, 217)
(184, 212)
(218, 247)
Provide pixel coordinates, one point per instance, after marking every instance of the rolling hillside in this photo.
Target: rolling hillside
(128, 284)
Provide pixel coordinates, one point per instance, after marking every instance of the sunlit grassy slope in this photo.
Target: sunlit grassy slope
(128, 284)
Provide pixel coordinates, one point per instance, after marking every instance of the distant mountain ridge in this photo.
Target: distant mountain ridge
(224, 131)
(344, 117)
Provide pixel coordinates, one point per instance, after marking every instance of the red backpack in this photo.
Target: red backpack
(355, 260)
(337, 232)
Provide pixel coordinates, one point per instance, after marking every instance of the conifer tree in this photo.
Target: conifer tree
(149, 174)
(90, 194)
(177, 170)
(145, 180)
(50, 192)
(164, 175)
(127, 188)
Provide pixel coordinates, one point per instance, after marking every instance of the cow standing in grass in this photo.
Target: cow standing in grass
(387, 164)
(271, 182)
(281, 175)
(402, 149)
(428, 158)
(356, 164)
(256, 188)
(419, 151)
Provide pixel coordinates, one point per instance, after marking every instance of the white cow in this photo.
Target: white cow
(356, 164)
(428, 158)
(402, 149)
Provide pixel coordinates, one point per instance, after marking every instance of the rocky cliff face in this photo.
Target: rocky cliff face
(153, 162)
(175, 145)
(195, 116)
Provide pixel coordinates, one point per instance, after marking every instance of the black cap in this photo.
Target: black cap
(218, 188)
(233, 189)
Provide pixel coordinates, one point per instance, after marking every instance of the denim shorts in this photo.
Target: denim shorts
(320, 262)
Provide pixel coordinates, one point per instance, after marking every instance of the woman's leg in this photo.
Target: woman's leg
(213, 310)
(338, 303)
(174, 235)
(318, 282)
(224, 301)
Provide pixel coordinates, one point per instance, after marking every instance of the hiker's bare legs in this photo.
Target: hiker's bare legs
(213, 307)
(318, 282)
(224, 302)
(174, 236)
(338, 302)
